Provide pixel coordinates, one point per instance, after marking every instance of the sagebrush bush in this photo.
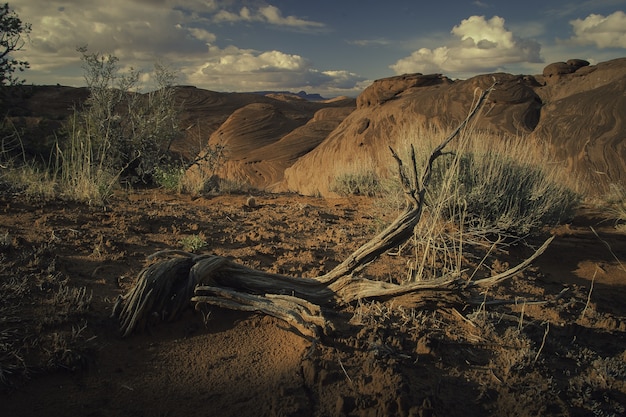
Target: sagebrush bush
(502, 185)
(118, 134)
(502, 194)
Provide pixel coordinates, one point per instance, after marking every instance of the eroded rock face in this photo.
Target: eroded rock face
(557, 69)
(287, 144)
(387, 89)
(581, 116)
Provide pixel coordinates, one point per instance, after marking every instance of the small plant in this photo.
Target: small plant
(193, 243)
(366, 183)
(170, 177)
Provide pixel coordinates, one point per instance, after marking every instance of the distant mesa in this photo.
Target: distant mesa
(302, 95)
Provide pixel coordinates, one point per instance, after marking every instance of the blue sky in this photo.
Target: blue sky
(329, 47)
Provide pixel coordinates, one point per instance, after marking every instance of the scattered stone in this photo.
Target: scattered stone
(251, 202)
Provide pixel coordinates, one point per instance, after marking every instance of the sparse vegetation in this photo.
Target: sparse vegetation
(193, 243)
(366, 183)
(118, 134)
(42, 335)
(616, 202)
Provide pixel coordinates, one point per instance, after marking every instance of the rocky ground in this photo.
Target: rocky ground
(558, 347)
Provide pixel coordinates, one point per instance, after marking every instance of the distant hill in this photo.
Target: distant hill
(299, 142)
(302, 94)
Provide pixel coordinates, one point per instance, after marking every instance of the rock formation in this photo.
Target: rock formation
(578, 109)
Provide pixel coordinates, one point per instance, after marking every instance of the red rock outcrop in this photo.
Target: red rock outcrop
(580, 113)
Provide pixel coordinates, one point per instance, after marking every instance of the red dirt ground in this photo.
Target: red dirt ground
(61, 354)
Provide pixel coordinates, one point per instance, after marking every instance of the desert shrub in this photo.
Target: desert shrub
(118, 134)
(365, 183)
(501, 194)
(486, 192)
(501, 185)
(170, 177)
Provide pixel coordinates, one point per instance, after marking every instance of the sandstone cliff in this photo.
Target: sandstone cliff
(579, 109)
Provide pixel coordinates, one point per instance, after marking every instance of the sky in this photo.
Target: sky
(332, 48)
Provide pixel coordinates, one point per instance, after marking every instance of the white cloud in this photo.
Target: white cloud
(242, 69)
(202, 35)
(478, 45)
(267, 14)
(179, 34)
(274, 16)
(371, 42)
(602, 31)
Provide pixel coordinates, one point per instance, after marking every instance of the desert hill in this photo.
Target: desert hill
(39, 111)
(282, 142)
(578, 109)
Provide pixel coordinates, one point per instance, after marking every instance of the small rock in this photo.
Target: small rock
(251, 202)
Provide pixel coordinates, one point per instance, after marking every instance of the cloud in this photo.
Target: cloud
(478, 45)
(480, 4)
(202, 34)
(180, 34)
(370, 42)
(601, 31)
(269, 15)
(237, 69)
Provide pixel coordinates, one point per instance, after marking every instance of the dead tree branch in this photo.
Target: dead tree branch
(164, 289)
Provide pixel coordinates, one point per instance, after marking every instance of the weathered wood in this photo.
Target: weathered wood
(164, 289)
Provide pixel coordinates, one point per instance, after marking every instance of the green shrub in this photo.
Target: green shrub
(117, 134)
(170, 177)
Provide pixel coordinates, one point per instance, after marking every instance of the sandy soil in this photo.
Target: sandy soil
(62, 265)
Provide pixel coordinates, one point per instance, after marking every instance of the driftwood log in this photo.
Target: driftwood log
(166, 288)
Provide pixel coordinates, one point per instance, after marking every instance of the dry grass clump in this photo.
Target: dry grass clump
(38, 315)
(359, 182)
(615, 200)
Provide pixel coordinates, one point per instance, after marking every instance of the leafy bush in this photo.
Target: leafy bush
(118, 134)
